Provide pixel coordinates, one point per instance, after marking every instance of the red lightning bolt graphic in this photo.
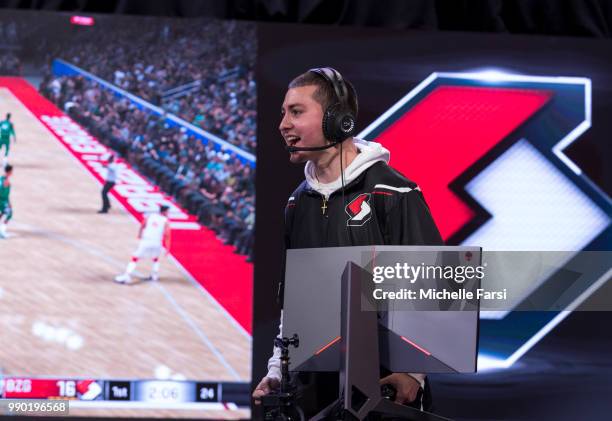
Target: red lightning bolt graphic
(355, 205)
(447, 132)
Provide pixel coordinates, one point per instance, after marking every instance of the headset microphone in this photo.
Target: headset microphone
(292, 149)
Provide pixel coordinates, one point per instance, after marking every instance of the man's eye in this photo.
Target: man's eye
(296, 112)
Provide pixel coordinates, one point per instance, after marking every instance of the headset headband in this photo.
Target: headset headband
(333, 77)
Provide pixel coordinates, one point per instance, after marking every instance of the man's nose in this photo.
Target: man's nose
(285, 123)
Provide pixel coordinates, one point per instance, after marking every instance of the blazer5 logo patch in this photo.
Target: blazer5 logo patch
(359, 210)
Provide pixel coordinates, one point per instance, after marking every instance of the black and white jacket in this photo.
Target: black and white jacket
(378, 207)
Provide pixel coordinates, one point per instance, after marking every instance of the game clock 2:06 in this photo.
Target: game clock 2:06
(165, 393)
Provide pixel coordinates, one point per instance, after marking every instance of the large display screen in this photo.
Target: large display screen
(168, 106)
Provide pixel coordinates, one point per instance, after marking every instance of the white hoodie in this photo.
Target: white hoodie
(369, 154)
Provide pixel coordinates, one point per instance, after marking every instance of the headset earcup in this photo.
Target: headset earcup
(337, 125)
(329, 123)
(346, 125)
(343, 125)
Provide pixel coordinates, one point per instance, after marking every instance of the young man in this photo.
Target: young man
(350, 197)
(111, 179)
(6, 131)
(154, 236)
(6, 211)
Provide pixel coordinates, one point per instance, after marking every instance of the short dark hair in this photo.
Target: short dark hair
(325, 93)
(8, 168)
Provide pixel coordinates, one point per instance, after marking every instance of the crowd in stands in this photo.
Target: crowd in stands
(212, 184)
(152, 58)
(10, 65)
(9, 31)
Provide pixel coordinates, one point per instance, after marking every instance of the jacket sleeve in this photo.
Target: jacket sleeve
(409, 221)
(285, 246)
(274, 370)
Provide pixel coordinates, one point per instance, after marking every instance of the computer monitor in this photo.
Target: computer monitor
(426, 335)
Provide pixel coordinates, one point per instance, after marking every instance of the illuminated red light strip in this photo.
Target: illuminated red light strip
(382, 192)
(328, 345)
(82, 20)
(373, 257)
(423, 350)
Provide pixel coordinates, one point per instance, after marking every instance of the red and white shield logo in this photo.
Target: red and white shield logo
(359, 210)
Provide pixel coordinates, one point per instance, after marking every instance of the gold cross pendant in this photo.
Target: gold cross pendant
(324, 206)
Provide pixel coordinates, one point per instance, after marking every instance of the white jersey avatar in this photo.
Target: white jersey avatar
(151, 239)
(153, 232)
(154, 235)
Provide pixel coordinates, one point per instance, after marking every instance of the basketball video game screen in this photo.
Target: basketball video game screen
(127, 213)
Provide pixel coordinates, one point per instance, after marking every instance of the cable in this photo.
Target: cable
(342, 175)
(344, 204)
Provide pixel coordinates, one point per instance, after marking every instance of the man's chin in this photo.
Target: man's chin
(297, 158)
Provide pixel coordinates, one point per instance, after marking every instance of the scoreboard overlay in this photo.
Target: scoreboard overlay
(106, 393)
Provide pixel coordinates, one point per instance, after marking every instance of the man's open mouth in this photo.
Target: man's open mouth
(292, 140)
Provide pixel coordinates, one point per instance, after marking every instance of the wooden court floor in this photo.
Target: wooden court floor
(61, 314)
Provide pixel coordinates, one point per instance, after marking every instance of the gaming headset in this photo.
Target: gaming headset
(338, 120)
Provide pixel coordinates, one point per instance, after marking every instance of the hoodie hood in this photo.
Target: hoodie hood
(369, 154)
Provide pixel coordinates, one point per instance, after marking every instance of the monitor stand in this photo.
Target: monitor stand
(359, 391)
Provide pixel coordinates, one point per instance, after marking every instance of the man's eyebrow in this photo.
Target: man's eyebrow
(291, 106)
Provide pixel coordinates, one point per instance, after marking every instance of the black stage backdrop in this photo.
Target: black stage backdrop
(591, 18)
(384, 65)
